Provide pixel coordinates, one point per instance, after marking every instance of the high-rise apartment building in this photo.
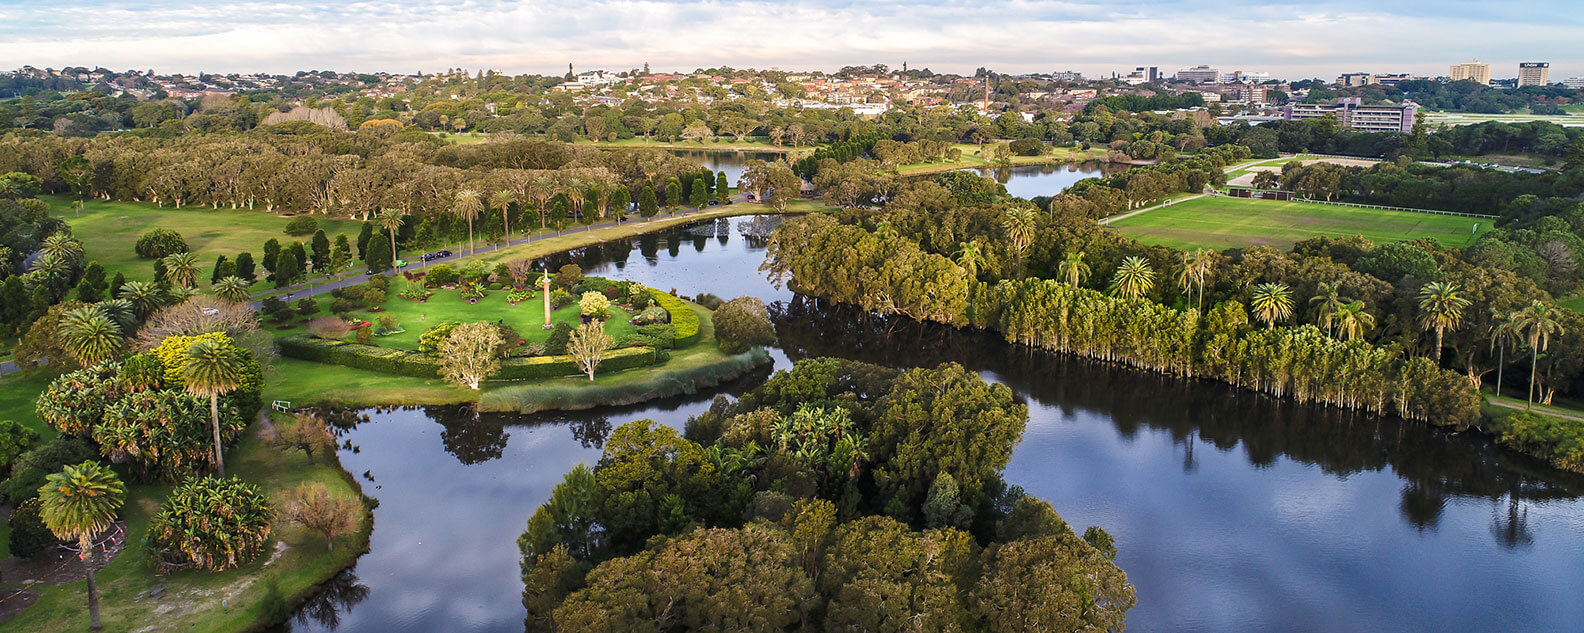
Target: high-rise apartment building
(1534, 73)
(1472, 71)
(1576, 83)
(1351, 112)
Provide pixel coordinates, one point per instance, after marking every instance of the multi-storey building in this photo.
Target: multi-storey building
(1533, 73)
(1472, 71)
(1199, 75)
(1576, 83)
(1351, 112)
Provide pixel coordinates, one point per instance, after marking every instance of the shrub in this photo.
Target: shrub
(743, 323)
(1027, 147)
(302, 225)
(429, 341)
(29, 536)
(421, 365)
(415, 292)
(344, 306)
(364, 335)
(614, 293)
(142, 371)
(592, 284)
(568, 276)
(15, 440)
(314, 507)
(209, 523)
(160, 243)
(638, 296)
(387, 322)
(660, 335)
(275, 307)
(1560, 442)
(683, 318)
(651, 316)
(556, 343)
(374, 297)
(29, 470)
(329, 327)
(379, 282)
(560, 298)
(474, 272)
(350, 293)
(593, 304)
(165, 434)
(442, 275)
(520, 296)
(494, 285)
(307, 307)
(709, 301)
(471, 292)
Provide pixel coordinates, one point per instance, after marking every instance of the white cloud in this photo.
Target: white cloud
(1292, 40)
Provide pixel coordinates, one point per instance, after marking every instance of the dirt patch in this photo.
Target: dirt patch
(14, 600)
(59, 566)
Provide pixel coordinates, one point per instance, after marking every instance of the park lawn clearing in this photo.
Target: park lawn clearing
(109, 232)
(447, 305)
(1220, 222)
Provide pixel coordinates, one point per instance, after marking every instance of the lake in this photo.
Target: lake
(1231, 511)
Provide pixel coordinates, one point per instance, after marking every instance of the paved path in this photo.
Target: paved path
(1547, 412)
(1134, 212)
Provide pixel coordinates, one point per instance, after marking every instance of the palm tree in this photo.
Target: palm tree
(468, 205)
(51, 265)
(1073, 269)
(1504, 330)
(1440, 309)
(503, 200)
(1133, 279)
(1352, 321)
(970, 257)
(145, 297)
(211, 368)
(231, 288)
(61, 246)
(390, 220)
(182, 269)
(90, 336)
(1330, 301)
(1019, 226)
(77, 504)
(1272, 303)
(1195, 269)
(1538, 322)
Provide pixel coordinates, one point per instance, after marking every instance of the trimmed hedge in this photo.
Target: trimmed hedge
(683, 318)
(421, 365)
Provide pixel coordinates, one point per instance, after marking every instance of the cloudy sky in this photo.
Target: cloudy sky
(1284, 37)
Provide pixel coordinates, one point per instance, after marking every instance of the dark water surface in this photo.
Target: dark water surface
(1029, 181)
(1232, 511)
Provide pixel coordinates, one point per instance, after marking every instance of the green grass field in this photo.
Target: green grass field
(1221, 222)
(110, 230)
(446, 305)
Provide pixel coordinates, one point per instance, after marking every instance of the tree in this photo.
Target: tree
(648, 206)
(942, 507)
(159, 243)
(340, 254)
(1440, 309)
(77, 504)
(743, 323)
(467, 355)
(970, 256)
(503, 200)
(699, 197)
(1271, 302)
(390, 220)
(210, 523)
(312, 506)
(245, 268)
(272, 251)
(320, 245)
(306, 433)
(182, 269)
(145, 297)
(588, 345)
(1504, 330)
(379, 256)
(232, 289)
(468, 205)
(1133, 279)
(210, 368)
(1019, 225)
(1331, 303)
(1538, 322)
(722, 187)
(621, 202)
(90, 336)
(1072, 269)
(1031, 585)
(1195, 269)
(286, 266)
(1352, 321)
(673, 193)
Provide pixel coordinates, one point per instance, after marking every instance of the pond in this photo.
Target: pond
(1028, 181)
(1232, 511)
(733, 163)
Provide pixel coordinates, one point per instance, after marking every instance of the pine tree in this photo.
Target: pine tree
(379, 256)
(647, 205)
(272, 250)
(722, 187)
(285, 269)
(700, 193)
(244, 266)
(321, 251)
(363, 240)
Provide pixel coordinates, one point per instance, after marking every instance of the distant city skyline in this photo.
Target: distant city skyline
(1288, 39)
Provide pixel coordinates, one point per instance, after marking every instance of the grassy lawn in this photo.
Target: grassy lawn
(1574, 302)
(1519, 404)
(109, 231)
(1220, 222)
(446, 305)
(194, 600)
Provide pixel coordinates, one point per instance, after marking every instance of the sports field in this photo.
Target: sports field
(1220, 222)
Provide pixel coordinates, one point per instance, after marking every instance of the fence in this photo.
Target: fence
(1406, 209)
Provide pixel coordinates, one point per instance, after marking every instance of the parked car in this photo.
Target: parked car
(714, 203)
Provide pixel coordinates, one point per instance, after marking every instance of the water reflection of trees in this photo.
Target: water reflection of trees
(468, 436)
(332, 600)
(1435, 465)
